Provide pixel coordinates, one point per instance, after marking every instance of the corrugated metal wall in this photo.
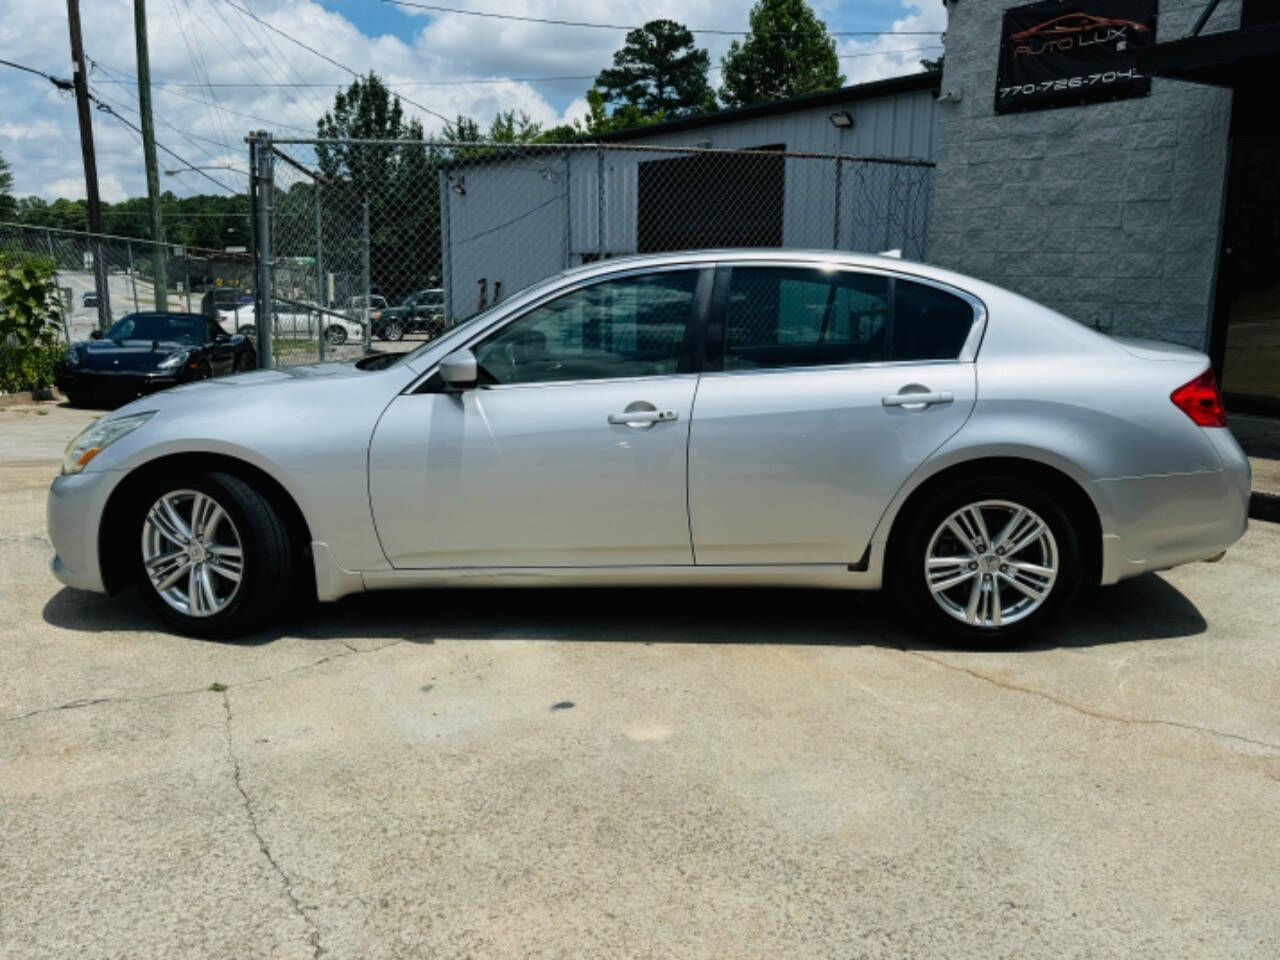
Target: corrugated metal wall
(516, 220)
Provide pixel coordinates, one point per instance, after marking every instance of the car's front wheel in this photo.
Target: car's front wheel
(986, 561)
(336, 335)
(393, 331)
(211, 553)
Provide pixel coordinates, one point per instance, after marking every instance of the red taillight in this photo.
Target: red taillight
(1201, 401)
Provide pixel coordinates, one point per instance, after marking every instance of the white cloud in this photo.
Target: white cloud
(109, 186)
(195, 40)
(892, 56)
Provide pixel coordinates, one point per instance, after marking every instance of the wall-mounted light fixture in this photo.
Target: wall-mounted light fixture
(842, 119)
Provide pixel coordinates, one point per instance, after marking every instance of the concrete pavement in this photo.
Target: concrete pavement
(632, 774)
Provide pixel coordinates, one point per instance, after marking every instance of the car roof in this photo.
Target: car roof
(778, 255)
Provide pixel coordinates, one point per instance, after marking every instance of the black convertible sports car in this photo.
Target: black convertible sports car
(145, 352)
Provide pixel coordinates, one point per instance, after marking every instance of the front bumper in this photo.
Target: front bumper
(73, 514)
(109, 385)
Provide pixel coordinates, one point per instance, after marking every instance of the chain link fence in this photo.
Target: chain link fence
(102, 278)
(383, 244)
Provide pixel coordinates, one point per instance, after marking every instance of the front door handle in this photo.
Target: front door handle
(917, 399)
(640, 418)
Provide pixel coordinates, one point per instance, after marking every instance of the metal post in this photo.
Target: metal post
(566, 255)
(133, 277)
(446, 250)
(835, 230)
(66, 307)
(319, 274)
(260, 151)
(368, 331)
(599, 202)
(186, 274)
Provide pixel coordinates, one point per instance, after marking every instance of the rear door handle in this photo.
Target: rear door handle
(643, 416)
(917, 399)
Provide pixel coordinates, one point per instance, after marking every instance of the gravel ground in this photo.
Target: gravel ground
(632, 774)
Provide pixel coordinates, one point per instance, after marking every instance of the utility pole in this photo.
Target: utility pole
(80, 82)
(158, 248)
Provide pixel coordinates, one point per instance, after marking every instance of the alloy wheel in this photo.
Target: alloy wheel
(991, 563)
(192, 553)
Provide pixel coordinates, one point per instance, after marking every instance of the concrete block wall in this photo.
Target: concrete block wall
(1110, 212)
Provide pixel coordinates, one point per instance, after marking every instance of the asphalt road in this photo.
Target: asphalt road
(633, 774)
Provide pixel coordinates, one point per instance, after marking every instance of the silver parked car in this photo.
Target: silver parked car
(719, 417)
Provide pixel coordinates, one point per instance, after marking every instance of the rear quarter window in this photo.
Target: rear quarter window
(928, 323)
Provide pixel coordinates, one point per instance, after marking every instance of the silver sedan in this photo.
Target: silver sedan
(721, 417)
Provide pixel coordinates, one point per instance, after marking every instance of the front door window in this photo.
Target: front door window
(629, 327)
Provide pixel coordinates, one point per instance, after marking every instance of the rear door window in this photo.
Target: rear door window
(803, 317)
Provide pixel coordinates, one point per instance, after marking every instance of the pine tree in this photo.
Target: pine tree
(657, 70)
(787, 53)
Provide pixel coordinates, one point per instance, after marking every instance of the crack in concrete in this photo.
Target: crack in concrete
(27, 538)
(313, 938)
(1089, 712)
(140, 698)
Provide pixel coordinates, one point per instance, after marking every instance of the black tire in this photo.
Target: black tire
(393, 331)
(243, 361)
(336, 335)
(266, 551)
(907, 578)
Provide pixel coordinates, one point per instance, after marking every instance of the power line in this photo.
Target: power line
(63, 85)
(325, 56)
(621, 26)
(108, 109)
(478, 80)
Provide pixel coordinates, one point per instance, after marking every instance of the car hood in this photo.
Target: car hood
(318, 386)
(263, 416)
(127, 355)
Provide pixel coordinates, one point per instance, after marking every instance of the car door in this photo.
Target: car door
(220, 351)
(823, 390)
(571, 450)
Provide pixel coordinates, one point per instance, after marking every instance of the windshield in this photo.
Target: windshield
(158, 326)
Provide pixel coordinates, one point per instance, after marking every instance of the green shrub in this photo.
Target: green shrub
(29, 318)
(30, 367)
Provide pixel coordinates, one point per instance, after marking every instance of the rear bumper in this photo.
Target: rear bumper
(1170, 519)
(114, 386)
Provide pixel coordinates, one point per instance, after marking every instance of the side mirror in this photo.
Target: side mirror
(95, 334)
(458, 370)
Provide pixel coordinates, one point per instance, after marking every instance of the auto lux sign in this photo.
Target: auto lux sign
(1060, 53)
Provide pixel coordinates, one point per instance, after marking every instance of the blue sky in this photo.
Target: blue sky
(248, 68)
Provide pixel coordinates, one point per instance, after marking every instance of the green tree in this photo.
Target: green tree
(8, 206)
(933, 66)
(397, 178)
(657, 70)
(786, 53)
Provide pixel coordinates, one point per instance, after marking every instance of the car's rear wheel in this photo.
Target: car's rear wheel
(986, 561)
(211, 553)
(336, 335)
(393, 331)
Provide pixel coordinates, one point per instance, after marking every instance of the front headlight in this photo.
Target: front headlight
(72, 357)
(97, 437)
(176, 360)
